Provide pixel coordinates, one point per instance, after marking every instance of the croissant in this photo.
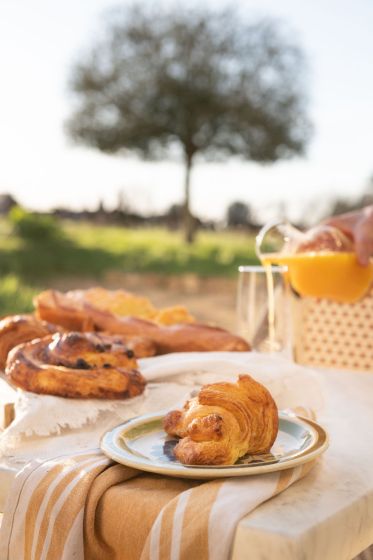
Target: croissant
(72, 310)
(75, 309)
(76, 365)
(224, 422)
(16, 329)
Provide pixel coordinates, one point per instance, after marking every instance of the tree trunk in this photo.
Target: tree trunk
(189, 229)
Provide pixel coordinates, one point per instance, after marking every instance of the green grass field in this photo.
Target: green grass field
(91, 251)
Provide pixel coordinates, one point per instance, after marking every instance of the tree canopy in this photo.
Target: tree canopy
(238, 214)
(198, 81)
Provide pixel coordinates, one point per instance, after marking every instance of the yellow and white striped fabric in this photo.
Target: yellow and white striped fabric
(85, 506)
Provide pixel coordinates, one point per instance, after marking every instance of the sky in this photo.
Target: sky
(41, 40)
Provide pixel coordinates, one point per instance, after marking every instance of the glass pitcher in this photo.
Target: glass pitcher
(321, 262)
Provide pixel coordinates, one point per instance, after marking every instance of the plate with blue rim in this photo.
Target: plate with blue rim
(141, 443)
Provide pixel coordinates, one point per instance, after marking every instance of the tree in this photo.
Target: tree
(238, 214)
(207, 83)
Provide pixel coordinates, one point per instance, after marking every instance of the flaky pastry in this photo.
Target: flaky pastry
(17, 329)
(224, 422)
(75, 311)
(76, 365)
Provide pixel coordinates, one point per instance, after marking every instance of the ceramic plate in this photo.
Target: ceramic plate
(141, 443)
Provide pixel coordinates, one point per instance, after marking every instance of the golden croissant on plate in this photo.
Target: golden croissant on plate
(224, 422)
(76, 365)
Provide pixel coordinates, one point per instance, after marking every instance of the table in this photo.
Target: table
(329, 514)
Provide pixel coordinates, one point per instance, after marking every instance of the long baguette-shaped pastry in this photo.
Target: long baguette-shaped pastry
(224, 422)
(191, 337)
(74, 311)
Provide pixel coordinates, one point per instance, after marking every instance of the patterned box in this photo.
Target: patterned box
(333, 335)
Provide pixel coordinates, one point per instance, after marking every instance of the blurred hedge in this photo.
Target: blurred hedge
(34, 227)
(15, 297)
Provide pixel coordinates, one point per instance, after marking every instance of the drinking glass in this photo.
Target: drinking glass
(262, 307)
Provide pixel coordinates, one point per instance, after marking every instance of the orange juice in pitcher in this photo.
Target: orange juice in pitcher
(321, 263)
(331, 300)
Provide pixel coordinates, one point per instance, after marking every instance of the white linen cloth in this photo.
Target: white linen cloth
(171, 380)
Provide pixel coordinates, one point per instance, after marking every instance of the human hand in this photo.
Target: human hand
(359, 227)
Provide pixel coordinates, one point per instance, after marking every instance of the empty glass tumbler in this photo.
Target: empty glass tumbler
(262, 307)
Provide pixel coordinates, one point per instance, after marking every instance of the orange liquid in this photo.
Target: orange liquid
(336, 276)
